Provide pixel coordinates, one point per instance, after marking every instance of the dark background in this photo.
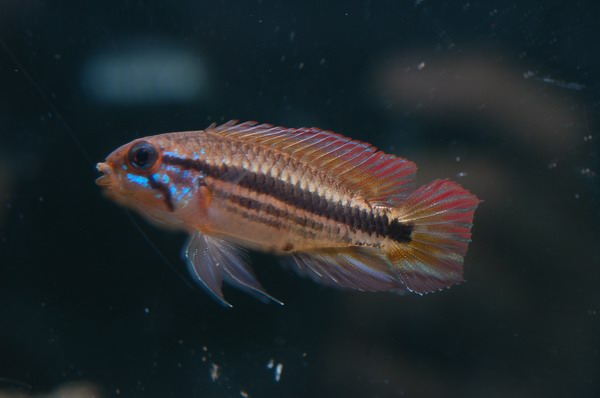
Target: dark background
(502, 96)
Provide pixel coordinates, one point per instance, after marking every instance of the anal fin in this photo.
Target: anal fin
(364, 269)
(214, 260)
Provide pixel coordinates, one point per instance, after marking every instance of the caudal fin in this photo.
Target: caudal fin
(441, 213)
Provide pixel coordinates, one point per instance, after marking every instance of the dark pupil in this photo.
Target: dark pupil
(142, 156)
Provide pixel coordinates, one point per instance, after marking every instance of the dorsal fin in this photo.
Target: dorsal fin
(380, 178)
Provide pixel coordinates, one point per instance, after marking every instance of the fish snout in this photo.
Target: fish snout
(104, 179)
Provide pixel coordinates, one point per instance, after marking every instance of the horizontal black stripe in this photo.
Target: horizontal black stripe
(356, 218)
(250, 215)
(256, 206)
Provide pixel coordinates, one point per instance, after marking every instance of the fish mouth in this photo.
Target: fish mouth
(104, 179)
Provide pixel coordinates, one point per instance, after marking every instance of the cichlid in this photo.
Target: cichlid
(345, 213)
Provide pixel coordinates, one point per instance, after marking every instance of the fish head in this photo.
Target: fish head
(136, 176)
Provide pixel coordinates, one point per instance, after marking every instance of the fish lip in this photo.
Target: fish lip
(103, 180)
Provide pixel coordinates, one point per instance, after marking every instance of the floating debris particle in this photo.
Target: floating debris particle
(244, 394)
(214, 371)
(270, 364)
(278, 370)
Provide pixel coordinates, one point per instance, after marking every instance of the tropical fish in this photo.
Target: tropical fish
(343, 212)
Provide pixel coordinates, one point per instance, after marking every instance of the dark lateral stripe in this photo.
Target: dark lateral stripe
(256, 206)
(252, 216)
(164, 189)
(356, 218)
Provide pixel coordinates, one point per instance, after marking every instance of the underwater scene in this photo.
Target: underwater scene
(299, 199)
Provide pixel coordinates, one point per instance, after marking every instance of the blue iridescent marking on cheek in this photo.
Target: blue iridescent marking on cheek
(202, 151)
(173, 169)
(124, 167)
(165, 179)
(174, 154)
(139, 180)
(181, 196)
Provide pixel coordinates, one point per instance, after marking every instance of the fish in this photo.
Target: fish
(339, 210)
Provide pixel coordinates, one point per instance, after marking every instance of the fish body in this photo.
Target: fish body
(346, 214)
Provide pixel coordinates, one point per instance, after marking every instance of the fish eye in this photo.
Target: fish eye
(142, 156)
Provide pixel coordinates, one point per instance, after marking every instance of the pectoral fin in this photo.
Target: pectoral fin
(213, 260)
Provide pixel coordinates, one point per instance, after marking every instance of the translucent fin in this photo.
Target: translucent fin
(352, 268)
(442, 216)
(380, 178)
(213, 260)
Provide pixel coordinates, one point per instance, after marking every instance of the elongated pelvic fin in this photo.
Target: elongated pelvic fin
(380, 178)
(442, 215)
(213, 260)
(353, 268)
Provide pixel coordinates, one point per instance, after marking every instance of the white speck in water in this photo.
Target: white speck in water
(204, 348)
(292, 35)
(458, 158)
(214, 371)
(270, 364)
(278, 370)
(528, 74)
(587, 137)
(587, 171)
(421, 66)
(244, 394)
(563, 84)
(322, 61)
(552, 165)
(576, 196)
(301, 66)
(462, 174)
(147, 310)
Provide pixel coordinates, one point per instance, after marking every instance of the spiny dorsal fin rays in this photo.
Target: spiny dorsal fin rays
(377, 177)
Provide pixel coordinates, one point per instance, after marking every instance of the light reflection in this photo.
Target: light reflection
(143, 74)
